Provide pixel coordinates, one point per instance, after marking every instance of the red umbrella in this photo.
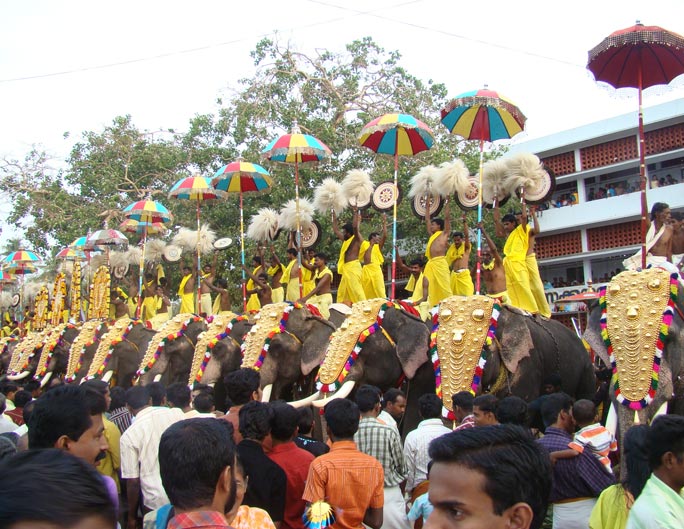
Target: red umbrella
(639, 57)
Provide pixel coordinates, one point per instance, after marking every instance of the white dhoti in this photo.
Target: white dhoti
(394, 510)
(573, 515)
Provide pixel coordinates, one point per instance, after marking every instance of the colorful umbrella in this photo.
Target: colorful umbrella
(82, 243)
(483, 115)
(20, 263)
(6, 278)
(638, 57)
(71, 254)
(241, 177)
(107, 237)
(134, 226)
(296, 148)
(22, 256)
(396, 135)
(198, 189)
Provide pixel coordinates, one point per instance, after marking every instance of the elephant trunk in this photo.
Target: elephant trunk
(342, 393)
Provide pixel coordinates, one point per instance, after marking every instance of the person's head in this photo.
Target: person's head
(484, 410)
(196, 465)
(178, 395)
(102, 388)
(416, 267)
(635, 457)
(243, 385)
(487, 255)
(666, 449)
(7, 447)
(118, 396)
(509, 222)
(320, 260)
(51, 488)
(551, 384)
(207, 269)
(342, 419)
(284, 422)
(368, 399)
(660, 212)
(430, 406)
(305, 420)
(462, 404)
(263, 277)
(457, 237)
(241, 482)
(292, 253)
(9, 389)
(512, 410)
(394, 402)
(556, 411)
(3, 403)
(493, 477)
(28, 411)
(255, 420)
(436, 225)
(69, 418)
(584, 413)
(33, 387)
(187, 270)
(256, 260)
(157, 392)
(159, 290)
(348, 230)
(137, 398)
(222, 282)
(204, 402)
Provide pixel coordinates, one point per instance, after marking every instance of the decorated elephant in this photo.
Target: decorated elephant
(83, 349)
(7, 345)
(54, 357)
(637, 329)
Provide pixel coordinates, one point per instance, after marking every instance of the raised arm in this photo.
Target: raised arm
(400, 261)
(336, 227)
(523, 215)
(250, 274)
(383, 236)
(466, 235)
(275, 256)
(492, 247)
(447, 218)
(535, 221)
(498, 226)
(356, 224)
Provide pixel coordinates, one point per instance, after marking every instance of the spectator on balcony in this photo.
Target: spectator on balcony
(654, 182)
(620, 189)
(611, 190)
(591, 196)
(601, 193)
(669, 180)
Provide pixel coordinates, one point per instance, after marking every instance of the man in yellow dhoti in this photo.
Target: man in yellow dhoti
(515, 250)
(417, 285)
(253, 303)
(321, 295)
(149, 303)
(437, 269)
(290, 276)
(370, 253)
(493, 270)
(308, 282)
(186, 291)
(275, 272)
(348, 266)
(222, 304)
(536, 283)
(207, 280)
(162, 308)
(459, 256)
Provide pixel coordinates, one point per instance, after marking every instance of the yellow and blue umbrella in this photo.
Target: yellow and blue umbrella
(396, 135)
(22, 256)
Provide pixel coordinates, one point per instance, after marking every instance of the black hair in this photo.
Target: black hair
(439, 222)
(263, 275)
(9, 387)
(22, 397)
(178, 395)
(464, 400)
(32, 385)
(554, 380)
(241, 384)
(666, 435)
(635, 456)
(292, 251)
(373, 234)
(658, 207)
(204, 402)
(417, 262)
(138, 397)
(584, 412)
(552, 406)
(255, 420)
(3, 403)
(455, 234)
(193, 454)
(391, 395)
(430, 406)
(66, 410)
(284, 421)
(256, 259)
(97, 385)
(515, 468)
(118, 396)
(367, 397)
(222, 282)
(509, 217)
(55, 487)
(157, 392)
(8, 446)
(486, 403)
(342, 417)
(305, 420)
(349, 228)
(512, 410)
(28, 411)
(677, 215)
(322, 256)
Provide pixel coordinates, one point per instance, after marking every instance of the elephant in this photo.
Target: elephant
(526, 349)
(648, 285)
(84, 348)
(7, 345)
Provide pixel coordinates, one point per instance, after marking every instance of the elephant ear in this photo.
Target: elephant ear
(411, 336)
(515, 338)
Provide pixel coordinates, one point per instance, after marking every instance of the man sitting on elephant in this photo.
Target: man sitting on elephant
(437, 269)
(321, 295)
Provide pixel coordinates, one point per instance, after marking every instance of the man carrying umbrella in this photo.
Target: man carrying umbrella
(458, 256)
(348, 266)
(437, 269)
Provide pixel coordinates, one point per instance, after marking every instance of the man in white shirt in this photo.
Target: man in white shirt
(394, 406)
(417, 442)
(140, 448)
(6, 424)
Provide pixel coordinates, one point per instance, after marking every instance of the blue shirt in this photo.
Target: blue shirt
(421, 507)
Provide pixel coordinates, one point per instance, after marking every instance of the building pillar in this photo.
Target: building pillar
(588, 274)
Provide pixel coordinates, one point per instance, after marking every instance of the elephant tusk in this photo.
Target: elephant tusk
(302, 403)
(341, 393)
(661, 411)
(266, 393)
(45, 379)
(612, 420)
(20, 376)
(157, 377)
(107, 376)
(212, 384)
(636, 417)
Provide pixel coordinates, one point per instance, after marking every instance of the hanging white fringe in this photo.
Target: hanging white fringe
(154, 250)
(187, 239)
(523, 170)
(494, 181)
(423, 182)
(330, 196)
(118, 259)
(133, 255)
(263, 226)
(357, 187)
(288, 214)
(450, 178)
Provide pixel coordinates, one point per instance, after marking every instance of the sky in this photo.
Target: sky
(72, 66)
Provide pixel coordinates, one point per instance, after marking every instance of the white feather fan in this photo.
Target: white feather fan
(423, 182)
(5, 300)
(494, 181)
(288, 214)
(133, 255)
(330, 196)
(32, 288)
(187, 239)
(450, 178)
(118, 259)
(523, 170)
(264, 225)
(154, 250)
(357, 187)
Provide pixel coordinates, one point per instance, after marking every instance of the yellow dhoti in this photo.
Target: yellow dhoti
(518, 285)
(159, 319)
(308, 283)
(501, 296)
(293, 290)
(187, 305)
(439, 280)
(277, 295)
(149, 308)
(206, 305)
(537, 286)
(322, 303)
(462, 283)
(373, 281)
(351, 289)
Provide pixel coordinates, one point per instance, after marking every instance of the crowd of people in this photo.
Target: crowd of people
(156, 457)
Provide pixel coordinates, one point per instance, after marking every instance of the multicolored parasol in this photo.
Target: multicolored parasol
(296, 148)
(82, 243)
(240, 177)
(107, 237)
(198, 189)
(639, 57)
(21, 262)
(482, 115)
(71, 254)
(396, 135)
(22, 256)
(134, 226)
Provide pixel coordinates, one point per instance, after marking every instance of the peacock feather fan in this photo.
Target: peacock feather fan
(264, 225)
(357, 187)
(423, 182)
(494, 181)
(288, 214)
(523, 170)
(451, 177)
(330, 196)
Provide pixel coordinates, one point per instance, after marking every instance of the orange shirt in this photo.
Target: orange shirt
(349, 480)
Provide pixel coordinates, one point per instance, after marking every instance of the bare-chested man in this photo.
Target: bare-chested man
(536, 283)
(221, 288)
(348, 266)
(417, 285)
(658, 241)
(275, 272)
(207, 278)
(321, 295)
(261, 287)
(461, 280)
(677, 221)
(437, 269)
(493, 270)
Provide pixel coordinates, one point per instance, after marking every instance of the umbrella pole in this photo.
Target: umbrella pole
(138, 307)
(642, 175)
(478, 269)
(242, 256)
(299, 232)
(199, 268)
(394, 225)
